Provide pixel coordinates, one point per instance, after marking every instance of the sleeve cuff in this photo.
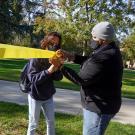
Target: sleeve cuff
(47, 72)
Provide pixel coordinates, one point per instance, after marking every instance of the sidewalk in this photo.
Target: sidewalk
(67, 101)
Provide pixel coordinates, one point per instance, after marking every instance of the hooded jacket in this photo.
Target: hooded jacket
(100, 78)
(42, 86)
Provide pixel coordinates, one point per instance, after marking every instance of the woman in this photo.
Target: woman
(41, 75)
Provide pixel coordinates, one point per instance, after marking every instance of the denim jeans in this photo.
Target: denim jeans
(95, 124)
(34, 114)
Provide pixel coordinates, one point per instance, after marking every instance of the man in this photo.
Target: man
(100, 78)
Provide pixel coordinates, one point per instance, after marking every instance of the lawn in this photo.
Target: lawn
(10, 70)
(14, 121)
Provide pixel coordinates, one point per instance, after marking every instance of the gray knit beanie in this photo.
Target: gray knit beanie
(103, 30)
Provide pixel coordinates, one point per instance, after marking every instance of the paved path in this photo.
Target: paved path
(67, 101)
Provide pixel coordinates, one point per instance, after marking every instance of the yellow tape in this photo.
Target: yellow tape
(10, 51)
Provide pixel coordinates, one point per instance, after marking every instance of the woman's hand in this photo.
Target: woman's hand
(56, 65)
(52, 69)
(57, 59)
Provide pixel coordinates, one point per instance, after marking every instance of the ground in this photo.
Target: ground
(14, 121)
(10, 70)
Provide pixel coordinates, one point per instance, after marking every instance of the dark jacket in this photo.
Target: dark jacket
(100, 78)
(42, 86)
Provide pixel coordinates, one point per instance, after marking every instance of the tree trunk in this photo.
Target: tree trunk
(84, 48)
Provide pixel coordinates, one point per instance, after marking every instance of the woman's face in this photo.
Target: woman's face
(51, 43)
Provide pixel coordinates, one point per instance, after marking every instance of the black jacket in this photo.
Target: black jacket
(100, 78)
(42, 86)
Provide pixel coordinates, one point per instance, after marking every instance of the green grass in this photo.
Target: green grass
(14, 121)
(10, 70)
(128, 88)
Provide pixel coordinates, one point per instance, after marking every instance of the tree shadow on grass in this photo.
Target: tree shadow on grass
(129, 78)
(129, 74)
(11, 109)
(129, 82)
(12, 64)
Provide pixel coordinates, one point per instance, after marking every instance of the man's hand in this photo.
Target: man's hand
(67, 55)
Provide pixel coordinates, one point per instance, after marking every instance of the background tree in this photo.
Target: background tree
(27, 21)
(128, 48)
(74, 19)
(10, 18)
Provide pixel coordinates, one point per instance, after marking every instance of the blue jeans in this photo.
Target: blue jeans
(95, 124)
(34, 114)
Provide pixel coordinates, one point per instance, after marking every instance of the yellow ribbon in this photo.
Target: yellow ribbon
(10, 51)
